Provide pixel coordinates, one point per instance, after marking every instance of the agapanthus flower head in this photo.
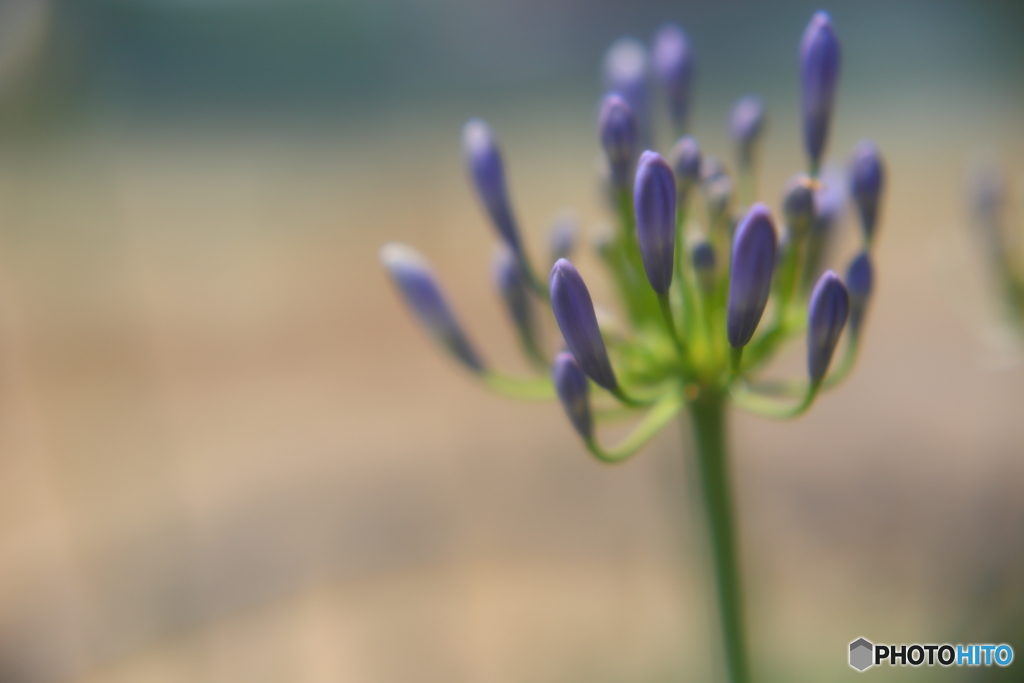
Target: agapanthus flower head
(574, 312)
(573, 391)
(826, 316)
(867, 180)
(616, 125)
(627, 74)
(798, 205)
(673, 65)
(419, 288)
(486, 170)
(819, 75)
(512, 285)
(746, 123)
(704, 265)
(563, 235)
(686, 163)
(654, 201)
(753, 263)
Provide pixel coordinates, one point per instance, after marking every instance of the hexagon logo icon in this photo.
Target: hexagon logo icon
(861, 654)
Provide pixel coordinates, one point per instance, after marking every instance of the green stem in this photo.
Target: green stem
(708, 414)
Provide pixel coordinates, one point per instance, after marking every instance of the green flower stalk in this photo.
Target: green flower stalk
(710, 295)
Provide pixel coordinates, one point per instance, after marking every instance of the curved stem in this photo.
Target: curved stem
(708, 414)
(658, 416)
(766, 406)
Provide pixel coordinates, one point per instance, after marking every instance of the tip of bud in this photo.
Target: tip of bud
(673, 65)
(826, 316)
(654, 202)
(483, 157)
(477, 137)
(860, 278)
(573, 392)
(686, 162)
(574, 313)
(798, 205)
(819, 73)
(625, 65)
(616, 126)
(746, 121)
(418, 286)
(750, 279)
(563, 234)
(704, 265)
(867, 179)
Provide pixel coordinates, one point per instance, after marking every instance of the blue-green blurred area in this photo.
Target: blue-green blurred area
(321, 57)
(227, 452)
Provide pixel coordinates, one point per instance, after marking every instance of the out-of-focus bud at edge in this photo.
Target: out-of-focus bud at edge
(746, 123)
(616, 125)
(573, 391)
(686, 163)
(654, 201)
(750, 280)
(483, 157)
(574, 312)
(626, 74)
(511, 284)
(418, 286)
(563, 235)
(826, 316)
(819, 74)
(867, 180)
(673, 65)
(798, 205)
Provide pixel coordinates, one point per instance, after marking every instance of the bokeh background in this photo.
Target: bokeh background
(228, 454)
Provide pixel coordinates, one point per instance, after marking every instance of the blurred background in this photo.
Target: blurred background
(228, 454)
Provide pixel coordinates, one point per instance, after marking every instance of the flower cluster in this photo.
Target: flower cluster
(711, 282)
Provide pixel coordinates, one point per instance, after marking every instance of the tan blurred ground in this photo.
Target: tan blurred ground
(229, 455)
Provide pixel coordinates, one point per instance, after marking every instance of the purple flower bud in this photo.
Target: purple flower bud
(654, 201)
(798, 205)
(574, 312)
(746, 123)
(511, 283)
(673, 65)
(718, 188)
(617, 128)
(859, 280)
(686, 163)
(867, 178)
(416, 283)
(488, 174)
(819, 73)
(830, 199)
(826, 317)
(704, 264)
(750, 282)
(626, 73)
(562, 235)
(573, 391)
